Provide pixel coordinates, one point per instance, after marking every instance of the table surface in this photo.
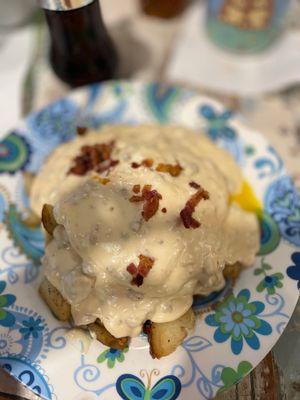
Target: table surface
(276, 115)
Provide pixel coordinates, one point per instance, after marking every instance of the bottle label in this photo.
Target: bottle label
(63, 5)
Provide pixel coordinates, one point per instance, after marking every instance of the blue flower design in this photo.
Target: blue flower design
(237, 318)
(31, 327)
(6, 318)
(270, 283)
(218, 126)
(294, 270)
(111, 356)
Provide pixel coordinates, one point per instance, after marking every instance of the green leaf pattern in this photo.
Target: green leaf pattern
(230, 377)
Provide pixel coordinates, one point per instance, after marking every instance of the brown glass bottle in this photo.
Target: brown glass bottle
(81, 50)
(163, 8)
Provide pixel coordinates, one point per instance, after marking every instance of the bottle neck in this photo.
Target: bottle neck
(63, 5)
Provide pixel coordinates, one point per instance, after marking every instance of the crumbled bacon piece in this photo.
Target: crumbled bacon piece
(151, 201)
(141, 271)
(135, 165)
(135, 199)
(146, 189)
(173, 170)
(145, 264)
(194, 185)
(81, 130)
(136, 188)
(147, 162)
(189, 208)
(103, 181)
(96, 157)
(138, 280)
(132, 269)
(164, 210)
(78, 169)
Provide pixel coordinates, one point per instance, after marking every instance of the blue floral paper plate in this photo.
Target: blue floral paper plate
(228, 341)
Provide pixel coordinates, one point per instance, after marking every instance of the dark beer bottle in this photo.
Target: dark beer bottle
(81, 50)
(163, 8)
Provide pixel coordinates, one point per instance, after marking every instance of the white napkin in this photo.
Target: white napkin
(198, 61)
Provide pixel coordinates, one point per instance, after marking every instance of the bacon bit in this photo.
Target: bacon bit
(132, 269)
(147, 327)
(81, 130)
(147, 162)
(194, 185)
(164, 210)
(96, 157)
(103, 181)
(141, 271)
(135, 165)
(135, 199)
(138, 280)
(136, 188)
(78, 169)
(189, 208)
(173, 170)
(146, 189)
(151, 201)
(145, 264)
(151, 204)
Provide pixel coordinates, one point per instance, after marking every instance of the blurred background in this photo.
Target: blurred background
(245, 53)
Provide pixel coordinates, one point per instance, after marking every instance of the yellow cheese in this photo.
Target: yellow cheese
(247, 199)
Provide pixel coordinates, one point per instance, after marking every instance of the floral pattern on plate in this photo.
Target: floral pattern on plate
(227, 343)
(238, 319)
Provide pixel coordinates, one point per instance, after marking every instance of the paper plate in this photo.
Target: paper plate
(229, 340)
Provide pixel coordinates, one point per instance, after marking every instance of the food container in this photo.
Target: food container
(245, 26)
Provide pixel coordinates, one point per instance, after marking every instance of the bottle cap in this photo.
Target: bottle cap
(63, 5)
